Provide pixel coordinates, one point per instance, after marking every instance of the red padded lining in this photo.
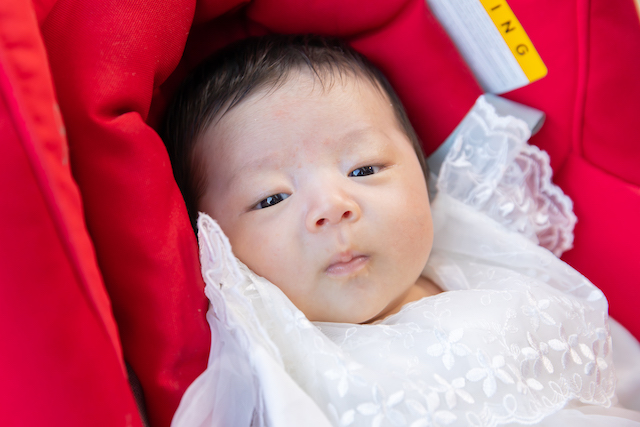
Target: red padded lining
(57, 323)
(610, 132)
(607, 235)
(106, 58)
(591, 96)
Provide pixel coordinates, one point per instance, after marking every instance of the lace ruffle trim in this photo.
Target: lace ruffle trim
(491, 168)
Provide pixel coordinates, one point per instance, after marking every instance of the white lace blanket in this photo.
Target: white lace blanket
(517, 337)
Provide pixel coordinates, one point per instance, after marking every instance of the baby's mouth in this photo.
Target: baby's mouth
(346, 263)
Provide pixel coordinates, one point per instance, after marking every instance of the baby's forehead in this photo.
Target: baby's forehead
(312, 84)
(298, 119)
(285, 101)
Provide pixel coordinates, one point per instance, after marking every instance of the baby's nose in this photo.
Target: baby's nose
(332, 209)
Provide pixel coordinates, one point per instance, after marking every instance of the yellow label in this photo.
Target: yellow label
(517, 39)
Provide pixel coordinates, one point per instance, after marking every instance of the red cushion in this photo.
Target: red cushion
(61, 353)
(592, 100)
(106, 57)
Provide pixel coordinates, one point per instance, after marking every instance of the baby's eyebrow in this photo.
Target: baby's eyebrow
(361, 134)
(271, 160)
(371, 137)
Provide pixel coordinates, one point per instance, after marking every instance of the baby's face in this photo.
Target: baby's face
(321, 192)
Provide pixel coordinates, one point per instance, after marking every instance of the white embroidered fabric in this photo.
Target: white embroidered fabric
(518, 336)
(492, 169)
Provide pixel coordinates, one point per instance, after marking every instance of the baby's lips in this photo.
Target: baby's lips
(346, 263)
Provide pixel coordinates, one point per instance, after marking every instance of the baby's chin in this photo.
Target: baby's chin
(382, 314)
(348, 316)
(359, 306)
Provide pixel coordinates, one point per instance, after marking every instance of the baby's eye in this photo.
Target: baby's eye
(364, 171)
(271, 200)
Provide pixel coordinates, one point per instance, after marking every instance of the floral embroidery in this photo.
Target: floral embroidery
(382, 407)
(538, 353)
(535, 310)
(596, 363)
(453, 390)
(525, 385)
(344, 374)
(567, 344)
(448, 346)
(295, 320)
(431, 415)
(344, 420)
(489, 371)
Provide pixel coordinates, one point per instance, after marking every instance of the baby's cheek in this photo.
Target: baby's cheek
(415, 227)
(261, 251)
(418, 239)
(271, 254)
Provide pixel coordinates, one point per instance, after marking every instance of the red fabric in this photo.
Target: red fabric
(608, 209)
(115, 62)
(592, 99)
(607, 138)
(61, 355)
(106, 57)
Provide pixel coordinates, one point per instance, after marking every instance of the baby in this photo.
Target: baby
(302, 153)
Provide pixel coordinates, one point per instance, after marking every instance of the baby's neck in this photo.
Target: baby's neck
(422, 288)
